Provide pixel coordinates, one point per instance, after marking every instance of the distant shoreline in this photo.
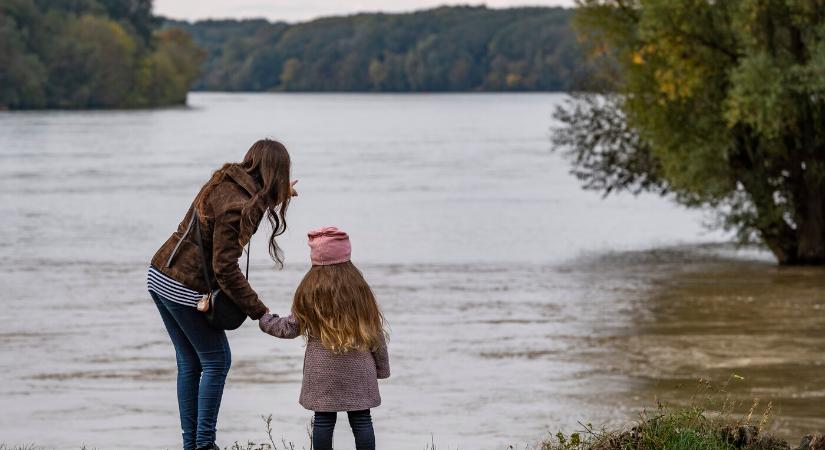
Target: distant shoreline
(187, 105)
(443, 49)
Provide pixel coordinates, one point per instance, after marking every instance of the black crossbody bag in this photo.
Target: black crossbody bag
(223, 313)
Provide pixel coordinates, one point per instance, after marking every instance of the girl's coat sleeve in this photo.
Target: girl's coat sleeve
(282, 327)
(382, 361)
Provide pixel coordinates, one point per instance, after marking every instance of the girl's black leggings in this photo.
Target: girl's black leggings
(360, 422)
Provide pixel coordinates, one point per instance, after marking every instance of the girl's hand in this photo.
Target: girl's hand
(292, 191)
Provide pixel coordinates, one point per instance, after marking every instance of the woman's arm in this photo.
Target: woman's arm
(282, 327)
(382, 360)
(226, 250)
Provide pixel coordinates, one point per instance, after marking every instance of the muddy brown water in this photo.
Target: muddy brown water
(518, 304)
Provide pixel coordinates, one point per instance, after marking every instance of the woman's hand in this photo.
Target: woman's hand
(292, 191)
(203, 304)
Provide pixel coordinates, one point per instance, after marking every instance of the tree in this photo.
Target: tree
(290, 73)
(167, 72)
(92, 65)
(720, 104)
(136, 13)
(22, 75)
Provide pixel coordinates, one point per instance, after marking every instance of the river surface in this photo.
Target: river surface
(518, 303)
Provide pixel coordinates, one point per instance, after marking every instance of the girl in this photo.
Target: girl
(346, 352)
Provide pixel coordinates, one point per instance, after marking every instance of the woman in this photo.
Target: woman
(229, 208)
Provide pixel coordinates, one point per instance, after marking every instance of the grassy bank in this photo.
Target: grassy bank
(709, 422)
(685, 428)
(688, 428)
(678, 429)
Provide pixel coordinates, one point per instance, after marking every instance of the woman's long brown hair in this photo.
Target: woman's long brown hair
(336, 305)
(267, 161)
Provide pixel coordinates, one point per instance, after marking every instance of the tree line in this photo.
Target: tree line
(443, 49)
(92, 54)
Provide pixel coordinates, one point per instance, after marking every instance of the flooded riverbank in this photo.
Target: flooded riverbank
(705, 314)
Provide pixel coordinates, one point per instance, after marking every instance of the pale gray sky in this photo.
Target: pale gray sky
(299, 10)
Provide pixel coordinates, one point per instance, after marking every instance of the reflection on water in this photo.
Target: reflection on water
(518, 304)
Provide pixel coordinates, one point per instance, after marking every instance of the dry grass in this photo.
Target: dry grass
(708, 422)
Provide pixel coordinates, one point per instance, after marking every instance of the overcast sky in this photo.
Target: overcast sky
(299, 10)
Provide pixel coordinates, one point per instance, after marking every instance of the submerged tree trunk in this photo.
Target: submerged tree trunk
(783, 251)
(811, 228)
(804, 244)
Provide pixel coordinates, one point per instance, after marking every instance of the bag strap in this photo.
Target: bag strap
(177, 246)
(202, 252)
(248, 247)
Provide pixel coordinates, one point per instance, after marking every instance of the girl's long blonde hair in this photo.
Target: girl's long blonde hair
(336, 305)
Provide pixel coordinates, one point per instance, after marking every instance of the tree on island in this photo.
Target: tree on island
(720, 104)
(92, 54)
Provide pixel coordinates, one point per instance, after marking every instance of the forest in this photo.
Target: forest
(444, 49)
(92, 54)
(118, 54)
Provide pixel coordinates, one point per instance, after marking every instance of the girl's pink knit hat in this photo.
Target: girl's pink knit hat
(328, 245)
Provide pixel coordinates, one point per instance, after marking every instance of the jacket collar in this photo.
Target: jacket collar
(243, 179)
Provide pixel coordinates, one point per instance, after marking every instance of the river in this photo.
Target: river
(518, 303)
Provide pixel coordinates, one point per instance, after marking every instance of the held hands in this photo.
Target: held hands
(265, 314)
(203, 305)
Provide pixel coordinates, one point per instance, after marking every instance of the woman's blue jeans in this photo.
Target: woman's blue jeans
(360, 421)
(203, 362)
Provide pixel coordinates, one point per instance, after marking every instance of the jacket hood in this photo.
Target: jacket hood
(244, 180)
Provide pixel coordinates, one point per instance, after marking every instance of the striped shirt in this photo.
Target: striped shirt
(161, 284)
